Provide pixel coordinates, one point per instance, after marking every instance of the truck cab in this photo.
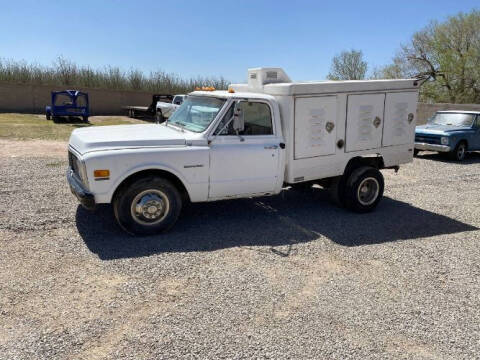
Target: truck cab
(253, 140)
(451, 132)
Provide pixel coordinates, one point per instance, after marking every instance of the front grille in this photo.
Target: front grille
(429, 139)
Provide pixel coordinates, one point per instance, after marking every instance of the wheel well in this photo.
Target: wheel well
(373, 161)
(154, 172)
(462, 140)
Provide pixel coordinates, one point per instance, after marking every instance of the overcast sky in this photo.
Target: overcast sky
(213, 38)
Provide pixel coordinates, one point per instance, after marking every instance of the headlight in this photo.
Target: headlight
(82, 169)
(444, 140)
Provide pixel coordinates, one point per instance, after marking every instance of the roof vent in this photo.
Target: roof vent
(258, 77)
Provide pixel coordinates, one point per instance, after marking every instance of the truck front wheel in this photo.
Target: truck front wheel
(159, 117)
(364, 189)
(148, 206)
(458, 154)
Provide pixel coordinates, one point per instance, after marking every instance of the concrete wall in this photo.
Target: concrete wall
(33, 98)
(425, 111)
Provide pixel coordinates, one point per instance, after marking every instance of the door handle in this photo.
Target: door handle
(271, 147)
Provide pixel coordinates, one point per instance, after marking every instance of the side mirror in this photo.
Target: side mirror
(238, 119)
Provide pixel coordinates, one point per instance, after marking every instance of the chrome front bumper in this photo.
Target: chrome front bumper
(432, 147)
(86, 199)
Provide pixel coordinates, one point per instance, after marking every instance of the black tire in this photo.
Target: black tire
(158, 193)
(370, 180)
(48, 116)
(159, 117)
(337, 191)
(458, 154)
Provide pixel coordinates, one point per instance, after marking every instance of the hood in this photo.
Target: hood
(436, 129)
(97, 138)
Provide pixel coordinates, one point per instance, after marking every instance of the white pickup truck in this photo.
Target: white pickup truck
(164, 110)
(253, 140)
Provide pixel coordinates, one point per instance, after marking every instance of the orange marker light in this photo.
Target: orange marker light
(101, 173)
(230, 90)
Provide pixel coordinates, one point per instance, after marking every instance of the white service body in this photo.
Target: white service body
(318, 127)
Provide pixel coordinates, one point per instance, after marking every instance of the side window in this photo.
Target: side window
(478, 121)
(81, 100)
(258, 119)
(62, 100)
(226, 118)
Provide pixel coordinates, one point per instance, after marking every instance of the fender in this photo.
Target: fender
(192, 189)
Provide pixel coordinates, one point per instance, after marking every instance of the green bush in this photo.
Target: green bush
(64, 72)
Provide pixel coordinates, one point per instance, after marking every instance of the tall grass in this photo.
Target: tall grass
(64, 72)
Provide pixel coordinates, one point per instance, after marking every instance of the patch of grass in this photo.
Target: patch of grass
(28, 126)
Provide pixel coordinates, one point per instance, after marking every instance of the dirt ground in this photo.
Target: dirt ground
(283, 277)
(38, 148)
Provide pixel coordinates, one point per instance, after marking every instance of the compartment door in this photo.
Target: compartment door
(315, 126)
(364, 121)
(400, 115)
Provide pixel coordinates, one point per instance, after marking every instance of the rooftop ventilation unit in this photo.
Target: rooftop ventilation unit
(258, 77)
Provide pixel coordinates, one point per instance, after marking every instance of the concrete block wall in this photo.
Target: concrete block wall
(425, 111)
(33, 98)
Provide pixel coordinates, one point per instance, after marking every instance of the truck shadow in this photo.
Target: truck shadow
(470, 158)
(288, 219)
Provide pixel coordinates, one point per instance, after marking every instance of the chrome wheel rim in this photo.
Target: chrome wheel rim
(368, 191)
(150, 207)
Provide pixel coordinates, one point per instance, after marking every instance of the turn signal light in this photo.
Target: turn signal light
(230, 90)
(205, 88)
(101, 173)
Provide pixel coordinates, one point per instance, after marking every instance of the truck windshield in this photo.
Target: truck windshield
(452, 119)
(196, 112)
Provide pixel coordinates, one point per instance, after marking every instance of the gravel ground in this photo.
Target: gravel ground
(289, 276)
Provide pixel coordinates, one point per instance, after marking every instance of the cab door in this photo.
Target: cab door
(246, 163)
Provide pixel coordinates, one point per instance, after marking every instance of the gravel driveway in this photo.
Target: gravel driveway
(289, 276)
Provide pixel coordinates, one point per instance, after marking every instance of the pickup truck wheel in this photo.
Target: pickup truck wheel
(459, 152)
(364, 189)
(148, 206)
(159, 117)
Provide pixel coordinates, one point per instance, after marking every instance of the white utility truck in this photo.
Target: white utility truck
(253, 140)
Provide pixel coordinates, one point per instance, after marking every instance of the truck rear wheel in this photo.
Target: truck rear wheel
(364, 189)
(148, 206)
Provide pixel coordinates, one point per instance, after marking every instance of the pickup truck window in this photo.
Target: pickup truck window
(62, 100)
(81, 100)
(454, 119)
(196, 113)
(258, 119)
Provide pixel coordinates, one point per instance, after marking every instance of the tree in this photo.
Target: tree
(448, 55)
(348, 65)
